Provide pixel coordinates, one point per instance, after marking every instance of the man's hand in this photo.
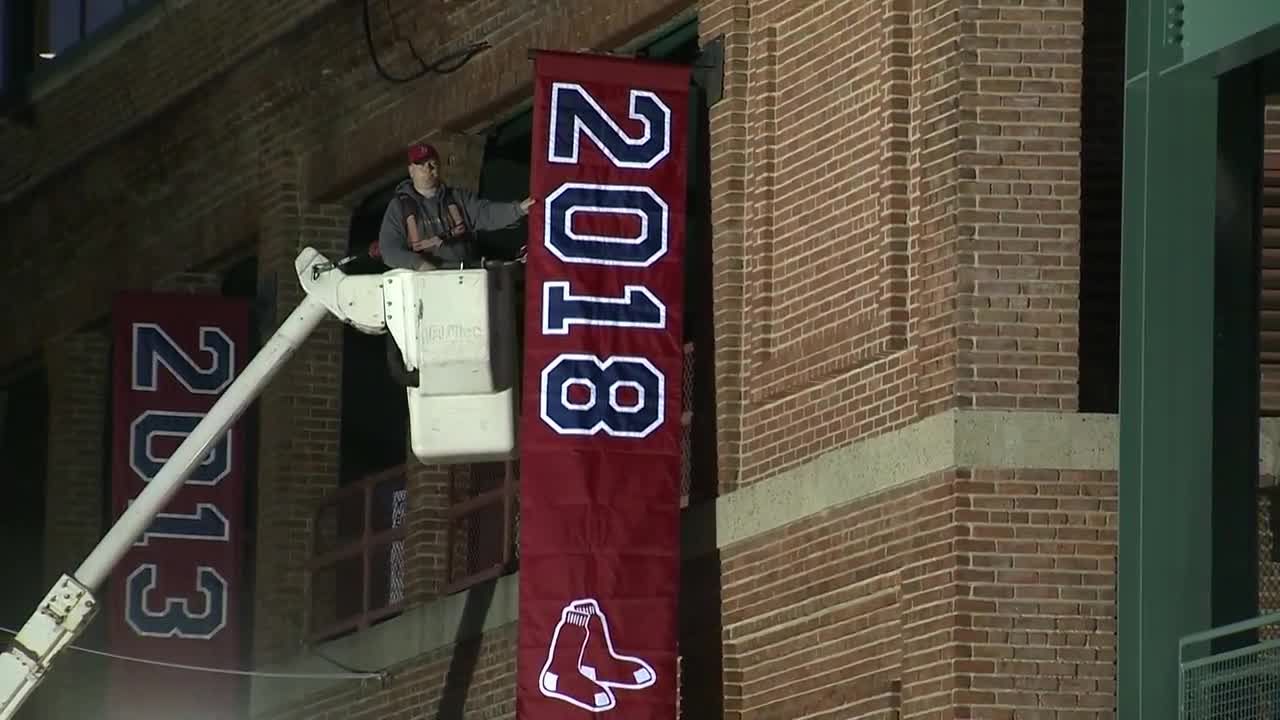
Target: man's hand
(430, 243)
(526, 204)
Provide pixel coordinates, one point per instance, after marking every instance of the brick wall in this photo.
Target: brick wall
(970, 593)
(299, 411)
(974, 593)
(199, 166)
(425, 530)
(256, 141)
(1042, 548)
(896, 200)
(75, 497)
(815, 310)
(897, 231)
(934, 298)
(481, 681)
(79, 383)
(1019, 220)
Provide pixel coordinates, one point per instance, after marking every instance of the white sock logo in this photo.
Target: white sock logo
(582, 667)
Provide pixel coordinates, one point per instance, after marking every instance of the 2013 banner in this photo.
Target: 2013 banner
(175, 596)
(600, 426)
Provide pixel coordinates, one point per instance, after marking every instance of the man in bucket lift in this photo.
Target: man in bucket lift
(429, 225)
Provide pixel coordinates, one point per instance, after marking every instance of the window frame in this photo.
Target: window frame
(23, 72)
(86, 40)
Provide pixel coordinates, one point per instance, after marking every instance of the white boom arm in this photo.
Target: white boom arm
(67, 609)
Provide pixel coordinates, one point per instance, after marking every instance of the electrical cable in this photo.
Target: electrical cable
(346, 668)
(227, 671)
(440, 66)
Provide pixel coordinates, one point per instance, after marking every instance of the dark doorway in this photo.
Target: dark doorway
(1102, 128)
(375, 416)
(24, 430)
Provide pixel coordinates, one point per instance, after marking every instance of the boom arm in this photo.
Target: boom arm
(69, 606)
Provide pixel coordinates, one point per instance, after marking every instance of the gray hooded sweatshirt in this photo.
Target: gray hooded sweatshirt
(433, 220)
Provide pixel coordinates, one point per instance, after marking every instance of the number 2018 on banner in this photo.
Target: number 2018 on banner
(575, 116)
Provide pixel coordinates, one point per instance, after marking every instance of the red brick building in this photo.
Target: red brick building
(902, 433)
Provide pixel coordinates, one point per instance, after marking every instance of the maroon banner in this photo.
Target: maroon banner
(175, 597)
(600, 431)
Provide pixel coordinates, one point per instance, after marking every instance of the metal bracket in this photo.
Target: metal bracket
(64, 613)
(708, 71)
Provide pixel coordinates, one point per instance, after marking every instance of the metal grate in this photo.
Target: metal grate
(1230, 672)
(1268, 567)
(356, 570)
(480, 539)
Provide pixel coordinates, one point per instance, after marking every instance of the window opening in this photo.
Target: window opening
(24, 429)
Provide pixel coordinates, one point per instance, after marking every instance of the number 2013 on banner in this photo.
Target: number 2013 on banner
(575, 116)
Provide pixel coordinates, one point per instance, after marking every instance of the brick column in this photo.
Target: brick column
(426, 524)
(75, 497)
(298, 412)
(728, 136)
(79, 385)
(1019, 248)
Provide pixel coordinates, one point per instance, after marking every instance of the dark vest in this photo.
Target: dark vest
(444, 218)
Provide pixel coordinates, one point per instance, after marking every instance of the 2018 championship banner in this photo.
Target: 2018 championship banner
(600, 426)
(175, 597)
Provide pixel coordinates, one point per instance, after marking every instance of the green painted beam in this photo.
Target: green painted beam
(1166, 362)
(1236, 392)
(1242, 30)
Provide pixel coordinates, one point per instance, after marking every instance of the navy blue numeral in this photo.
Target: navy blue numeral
(640, 250)
(153, 424)
(604, 409)
(177, 619)
(206, 523)
(637, 308)
(152, 347)
(575, 113)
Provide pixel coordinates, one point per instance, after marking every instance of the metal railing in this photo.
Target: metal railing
(1231, 672)
(356, 572)
(480, 534)
(357, 567)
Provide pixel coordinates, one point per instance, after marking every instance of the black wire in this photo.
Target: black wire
(440, 66)
(395, 29)
(383, 674)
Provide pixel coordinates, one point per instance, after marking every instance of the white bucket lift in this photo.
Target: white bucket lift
(456, 333)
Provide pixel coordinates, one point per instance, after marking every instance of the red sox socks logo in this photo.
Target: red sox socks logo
(582, 667)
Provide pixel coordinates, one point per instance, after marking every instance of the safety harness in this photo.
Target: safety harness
(458, 230)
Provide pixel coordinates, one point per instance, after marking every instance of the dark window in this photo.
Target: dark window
(24, 429)
(98, 13)
(375, 416)
(6, 45)
(16, 54)
(60, 25)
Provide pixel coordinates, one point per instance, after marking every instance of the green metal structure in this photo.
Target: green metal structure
(1196, 75)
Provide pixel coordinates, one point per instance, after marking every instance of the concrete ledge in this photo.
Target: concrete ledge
(1068, 441)
(1064, 441)
(417, 631)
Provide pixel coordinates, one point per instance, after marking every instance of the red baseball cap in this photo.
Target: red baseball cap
(422, 152)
